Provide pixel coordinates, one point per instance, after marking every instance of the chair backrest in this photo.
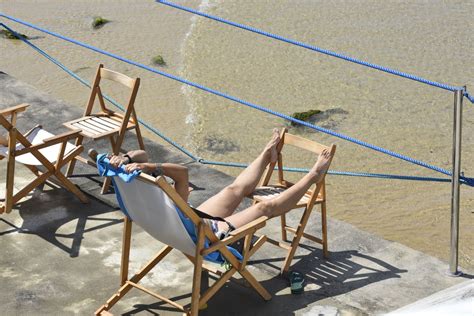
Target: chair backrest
(304, 144)
(18, 143)
(37, 136)
(146, 203)
(96, 92)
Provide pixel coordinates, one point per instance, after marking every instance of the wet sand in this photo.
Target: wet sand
(430, 39)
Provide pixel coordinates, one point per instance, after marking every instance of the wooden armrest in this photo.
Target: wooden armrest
(14, 109)
(255, 224)
(237, 234)
(61, 138)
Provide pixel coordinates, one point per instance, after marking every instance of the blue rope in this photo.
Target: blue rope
(469, 97)
(86, 83)
(229, 97)
(467, 181)
(229, 164)
(317, 49)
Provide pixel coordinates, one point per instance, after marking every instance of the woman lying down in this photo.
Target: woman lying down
(224, 203)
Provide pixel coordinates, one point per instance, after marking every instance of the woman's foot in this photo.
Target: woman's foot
(321, 166)
(271, 147)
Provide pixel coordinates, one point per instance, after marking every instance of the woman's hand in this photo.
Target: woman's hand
(142, 166)
(117, 161)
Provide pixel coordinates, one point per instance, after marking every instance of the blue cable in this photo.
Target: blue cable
(467, 181)
(228, 164)
(469, 97)
(317, 49)
(86, 83)
(229, 97)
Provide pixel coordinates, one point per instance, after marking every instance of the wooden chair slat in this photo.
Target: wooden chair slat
(117, 77)
(86, 128)
(105, 122)
(110, 120)
(304, 143)
(99, 125)
(92, 127)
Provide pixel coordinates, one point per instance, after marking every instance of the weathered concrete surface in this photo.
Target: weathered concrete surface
(62, 257)
(457, 300)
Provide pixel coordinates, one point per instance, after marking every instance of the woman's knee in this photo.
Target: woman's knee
(266, 208)
(235, 190)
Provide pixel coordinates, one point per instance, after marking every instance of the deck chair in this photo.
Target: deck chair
(37, 148)
(161, 212)
(315, 195)
(107, 123)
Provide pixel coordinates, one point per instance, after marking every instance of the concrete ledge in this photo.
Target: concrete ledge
(62, 257)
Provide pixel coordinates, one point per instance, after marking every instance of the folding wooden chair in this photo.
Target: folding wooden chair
(107, 123)
(315, 195)
(37, 148)
(159, 210)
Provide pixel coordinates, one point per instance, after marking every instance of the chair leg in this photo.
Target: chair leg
(114, 299)
(324, 229)
(30, 186)
(141, 144)
(255, 284)
(9, 184)
(116, 145)
(10, 171)
(71, 187)
(127, 234)
(72, 164)
(206, 296)
(198, 259)
(296, 241)
(135, 279)
(106, 186)
(284, 235)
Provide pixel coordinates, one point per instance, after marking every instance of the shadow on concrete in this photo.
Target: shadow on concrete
(467, 276)
(45, 214)
(343, 272)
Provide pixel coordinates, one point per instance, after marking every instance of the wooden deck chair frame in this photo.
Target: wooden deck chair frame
(52, 169)
(107, 123)
(203, 231)
(315, 195)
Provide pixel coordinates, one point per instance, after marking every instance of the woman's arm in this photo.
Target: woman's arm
(178, 173)
(129, 157)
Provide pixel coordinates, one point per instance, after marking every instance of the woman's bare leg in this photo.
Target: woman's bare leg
(285, 201)
(225, 202)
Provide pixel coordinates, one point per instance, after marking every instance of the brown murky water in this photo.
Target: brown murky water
(432, 39)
